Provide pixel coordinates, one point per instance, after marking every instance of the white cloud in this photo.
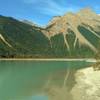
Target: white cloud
(49, 7)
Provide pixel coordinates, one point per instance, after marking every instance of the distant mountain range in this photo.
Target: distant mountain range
(74, 35)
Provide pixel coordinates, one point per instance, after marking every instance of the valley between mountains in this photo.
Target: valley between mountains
(73, 35)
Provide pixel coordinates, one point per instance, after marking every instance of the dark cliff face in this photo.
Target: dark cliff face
(71, 35)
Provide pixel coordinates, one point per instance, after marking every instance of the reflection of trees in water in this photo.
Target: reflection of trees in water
(61, 92)
(60, 84)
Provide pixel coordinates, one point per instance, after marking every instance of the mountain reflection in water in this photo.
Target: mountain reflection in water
(22, 79)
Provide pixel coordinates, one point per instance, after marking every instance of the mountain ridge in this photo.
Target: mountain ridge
(71, 20)
(70, 35)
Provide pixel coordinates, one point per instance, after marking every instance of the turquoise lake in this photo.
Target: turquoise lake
(25, 80)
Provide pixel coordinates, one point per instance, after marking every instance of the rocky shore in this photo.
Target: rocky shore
(87, 85)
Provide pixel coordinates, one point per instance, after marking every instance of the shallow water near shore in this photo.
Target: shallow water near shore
(27, 80)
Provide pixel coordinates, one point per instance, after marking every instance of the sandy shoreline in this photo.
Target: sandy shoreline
(48, 59)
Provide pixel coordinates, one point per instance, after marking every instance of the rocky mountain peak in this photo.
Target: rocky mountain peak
(70, 21)
(87, 12)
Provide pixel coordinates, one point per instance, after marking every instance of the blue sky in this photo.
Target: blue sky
(41, 11)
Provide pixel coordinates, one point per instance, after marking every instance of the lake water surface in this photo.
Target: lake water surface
(26, 80)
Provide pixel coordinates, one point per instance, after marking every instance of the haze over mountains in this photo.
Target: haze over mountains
(73, 35)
